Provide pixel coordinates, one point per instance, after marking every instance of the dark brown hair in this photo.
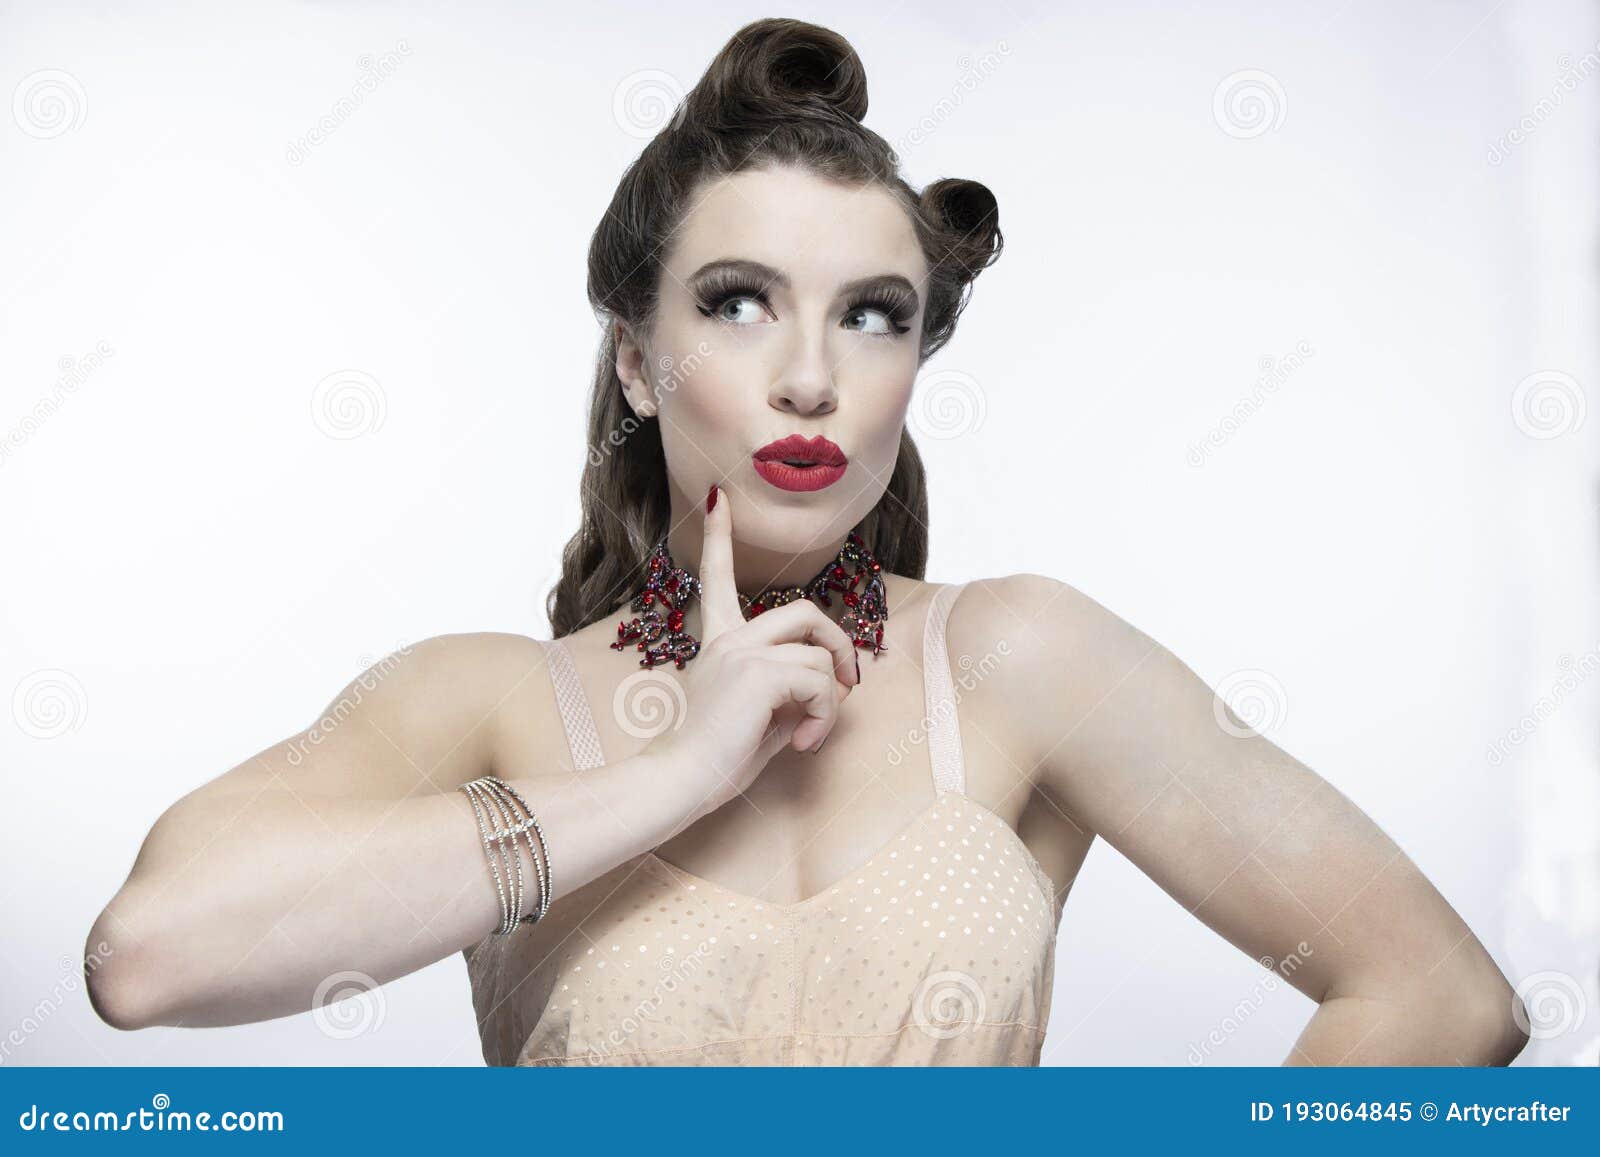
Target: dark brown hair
(779, 92)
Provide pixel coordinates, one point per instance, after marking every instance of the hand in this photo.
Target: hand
(754, 687)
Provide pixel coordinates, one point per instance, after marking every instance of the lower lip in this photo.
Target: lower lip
(786, 477)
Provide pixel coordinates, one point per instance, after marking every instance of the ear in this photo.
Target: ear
(631, 371)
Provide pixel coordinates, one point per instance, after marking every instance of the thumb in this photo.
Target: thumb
(719, 597)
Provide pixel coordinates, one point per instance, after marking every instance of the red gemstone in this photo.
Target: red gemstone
(851, 598)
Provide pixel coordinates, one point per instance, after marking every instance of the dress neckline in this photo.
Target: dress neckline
(946, 759)
(942, 798)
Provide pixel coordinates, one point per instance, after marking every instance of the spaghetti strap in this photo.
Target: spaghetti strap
(583, 740)
(944, 730)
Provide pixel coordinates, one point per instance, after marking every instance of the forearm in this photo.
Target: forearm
(242, 907)
(1391, 1030)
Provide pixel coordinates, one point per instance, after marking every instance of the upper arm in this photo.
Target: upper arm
(424, 719)
(1137, 747)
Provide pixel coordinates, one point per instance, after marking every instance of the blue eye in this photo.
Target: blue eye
(893, 310)
(719, 309)
(888, 325)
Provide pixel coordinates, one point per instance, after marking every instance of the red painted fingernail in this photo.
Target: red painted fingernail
(711, 498)
(856, 655)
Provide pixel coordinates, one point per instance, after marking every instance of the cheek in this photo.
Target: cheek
(704, 408)
(879, 422)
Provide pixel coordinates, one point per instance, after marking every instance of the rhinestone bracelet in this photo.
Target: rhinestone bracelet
(482, 800)
(494, 802)
(538, 851)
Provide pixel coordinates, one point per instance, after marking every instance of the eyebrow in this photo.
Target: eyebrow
(769, 276)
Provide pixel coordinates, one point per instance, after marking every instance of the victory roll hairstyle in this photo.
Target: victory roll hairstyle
(779, 92)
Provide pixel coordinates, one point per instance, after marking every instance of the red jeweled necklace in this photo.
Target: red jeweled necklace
(657, 625)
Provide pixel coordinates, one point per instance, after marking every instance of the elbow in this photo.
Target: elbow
(1498, 1022)
(1512, 1034)
(118, 978)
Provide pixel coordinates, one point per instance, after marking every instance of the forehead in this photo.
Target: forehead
(816, 230)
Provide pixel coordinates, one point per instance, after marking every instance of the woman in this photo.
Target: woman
(795, 805)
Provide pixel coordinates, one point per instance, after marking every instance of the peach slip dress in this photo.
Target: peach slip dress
(939, 950)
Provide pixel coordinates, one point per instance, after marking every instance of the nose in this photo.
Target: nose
(806, 384)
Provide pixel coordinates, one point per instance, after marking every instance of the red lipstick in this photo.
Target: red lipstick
(800, 464)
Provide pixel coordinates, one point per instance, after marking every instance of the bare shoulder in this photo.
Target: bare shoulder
(450, 705)
(1055, 657)
(1045, 628)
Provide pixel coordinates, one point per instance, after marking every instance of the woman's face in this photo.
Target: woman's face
(789, 306)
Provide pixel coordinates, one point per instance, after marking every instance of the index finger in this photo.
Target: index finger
(719, 598)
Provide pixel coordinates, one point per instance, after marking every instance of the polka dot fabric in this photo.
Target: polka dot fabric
(939, 950)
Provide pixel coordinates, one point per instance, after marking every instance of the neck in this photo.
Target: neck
(754, 569)
(861, 607)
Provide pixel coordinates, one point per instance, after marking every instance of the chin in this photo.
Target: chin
(790, 526)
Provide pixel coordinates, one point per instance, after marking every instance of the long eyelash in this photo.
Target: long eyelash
(720, 288)
(892, 303)
(717, 289)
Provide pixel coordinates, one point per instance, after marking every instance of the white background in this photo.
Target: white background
(195, 561)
